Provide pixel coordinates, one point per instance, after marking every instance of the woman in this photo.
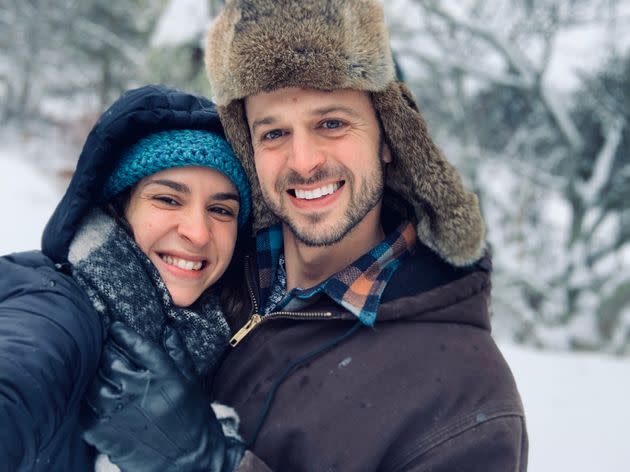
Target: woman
(147, 226)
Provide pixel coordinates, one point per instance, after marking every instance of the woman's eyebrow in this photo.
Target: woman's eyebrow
(183, 188)
(226, 196)
(177, 186)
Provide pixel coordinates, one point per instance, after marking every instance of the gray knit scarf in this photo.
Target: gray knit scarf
(124, 285)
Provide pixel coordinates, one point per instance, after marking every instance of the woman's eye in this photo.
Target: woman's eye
(222, 211)
(167, 200)
(332, 124)
(271, 135)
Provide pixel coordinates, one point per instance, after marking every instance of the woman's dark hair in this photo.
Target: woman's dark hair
(117, 206)
(230, 287)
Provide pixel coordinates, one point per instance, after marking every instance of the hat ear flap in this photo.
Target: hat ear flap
(237, 132)
(449, 218)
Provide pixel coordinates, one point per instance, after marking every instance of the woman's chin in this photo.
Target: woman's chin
(184, 298)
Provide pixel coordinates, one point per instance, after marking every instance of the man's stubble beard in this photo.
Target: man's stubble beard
(371, 193)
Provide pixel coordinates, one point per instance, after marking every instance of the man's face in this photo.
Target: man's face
(319, 158)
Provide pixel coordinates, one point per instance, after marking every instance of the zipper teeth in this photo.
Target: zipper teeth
(249, 286)
(278, 314)
(291, 315)
(297, 314)
(251, 326)
(256, 318)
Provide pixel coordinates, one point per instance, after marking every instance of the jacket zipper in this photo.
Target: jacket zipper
(244, 331)
(255, 319)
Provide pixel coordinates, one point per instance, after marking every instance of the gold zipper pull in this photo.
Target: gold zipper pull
(244, 331)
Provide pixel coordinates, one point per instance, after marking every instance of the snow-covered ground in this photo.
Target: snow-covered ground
(29, 197)
(576, 404)
(577, 409)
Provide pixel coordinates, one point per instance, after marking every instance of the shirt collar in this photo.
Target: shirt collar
(358, 287)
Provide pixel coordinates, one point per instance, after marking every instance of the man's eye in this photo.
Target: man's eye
(332, 124)
(275, 134)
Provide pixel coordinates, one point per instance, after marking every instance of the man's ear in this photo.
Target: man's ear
(386, 154)
(246, 114)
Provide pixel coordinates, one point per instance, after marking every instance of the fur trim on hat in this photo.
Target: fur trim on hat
(237, 133)
(449, 218)
(322, 44)
(258, 46)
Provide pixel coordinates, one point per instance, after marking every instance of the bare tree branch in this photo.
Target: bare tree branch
(514, 57)
(464, 65)
(107, 37)
(602, 170)
(529, 73)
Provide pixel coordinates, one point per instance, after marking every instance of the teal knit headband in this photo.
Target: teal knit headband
(180, 148)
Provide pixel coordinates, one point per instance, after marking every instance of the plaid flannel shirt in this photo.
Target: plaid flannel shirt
(358, 287)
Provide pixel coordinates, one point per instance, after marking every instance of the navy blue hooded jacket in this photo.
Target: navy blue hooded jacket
(50, 334)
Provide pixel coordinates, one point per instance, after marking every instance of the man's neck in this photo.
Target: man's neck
(308, 266)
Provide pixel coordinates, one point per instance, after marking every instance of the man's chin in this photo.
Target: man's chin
(317, 234)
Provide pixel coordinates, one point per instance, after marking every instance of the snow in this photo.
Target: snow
(576, 404)
(576, 408)
(577, 50)
(582, 50)
(30, 198)
(169, 31)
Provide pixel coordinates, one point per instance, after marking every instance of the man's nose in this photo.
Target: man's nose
(195, 226)
(306, 155)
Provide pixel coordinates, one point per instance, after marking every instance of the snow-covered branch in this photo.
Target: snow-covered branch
(561, 116)
(513, 56)
(529, 171)
(462, 64)
(602, 170)
(613, 247)
(530, 76)
(107, 37)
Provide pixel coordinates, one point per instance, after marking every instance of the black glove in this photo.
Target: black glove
(146, 411)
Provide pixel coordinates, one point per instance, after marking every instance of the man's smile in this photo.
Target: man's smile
(316, 193)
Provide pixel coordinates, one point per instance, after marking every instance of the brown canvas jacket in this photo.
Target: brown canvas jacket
(426, 389)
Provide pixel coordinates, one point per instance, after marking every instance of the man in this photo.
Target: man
(368, 344)
(364, 343)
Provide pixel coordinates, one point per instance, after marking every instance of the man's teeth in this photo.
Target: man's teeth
(182, 263)
(318, 192)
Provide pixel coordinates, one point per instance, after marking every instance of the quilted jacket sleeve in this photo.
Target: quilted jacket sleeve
(50, 343)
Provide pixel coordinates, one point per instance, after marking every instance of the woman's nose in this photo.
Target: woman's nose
(196, 227)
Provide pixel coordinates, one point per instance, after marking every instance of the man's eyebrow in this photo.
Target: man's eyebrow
(334, 109)
(267, 120)
(177, 186)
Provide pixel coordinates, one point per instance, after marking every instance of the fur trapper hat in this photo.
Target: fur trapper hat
(259, 46)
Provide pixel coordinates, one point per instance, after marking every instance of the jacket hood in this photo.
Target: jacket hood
(257, 46)
(136, 114)
(428, 290)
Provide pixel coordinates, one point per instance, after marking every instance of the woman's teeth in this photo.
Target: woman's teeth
(318, 192)
(182, 263)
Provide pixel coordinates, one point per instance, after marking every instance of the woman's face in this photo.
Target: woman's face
(185, 220)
